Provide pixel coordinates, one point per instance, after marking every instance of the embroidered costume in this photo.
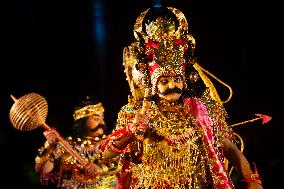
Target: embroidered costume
(68, 173)
(182, 144)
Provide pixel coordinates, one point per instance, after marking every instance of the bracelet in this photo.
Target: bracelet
(44, 158)
(254, 177)
(121, 133)
(113, 148)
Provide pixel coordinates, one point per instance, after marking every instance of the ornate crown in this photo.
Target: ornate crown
(165, 48)
(162, 50)
(89, 110)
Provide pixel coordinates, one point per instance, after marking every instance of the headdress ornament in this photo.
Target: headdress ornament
(96, 109)
(161, 50)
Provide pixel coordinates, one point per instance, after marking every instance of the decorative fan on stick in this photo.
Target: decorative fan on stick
(29, 112)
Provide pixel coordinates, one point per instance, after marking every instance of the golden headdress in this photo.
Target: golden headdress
(96, 109)
(162, 50)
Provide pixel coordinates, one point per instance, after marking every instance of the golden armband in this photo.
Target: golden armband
(43, 159)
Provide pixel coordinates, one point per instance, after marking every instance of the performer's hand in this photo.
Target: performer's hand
(141, 118)
(253, 185)
(92, 169)
(51, 135)
(139, 125)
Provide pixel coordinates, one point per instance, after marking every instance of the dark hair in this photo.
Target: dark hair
(79, 128)
(194, 88)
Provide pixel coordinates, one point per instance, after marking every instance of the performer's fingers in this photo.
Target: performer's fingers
(126, 51)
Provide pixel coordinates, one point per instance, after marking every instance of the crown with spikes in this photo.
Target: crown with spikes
(163, 50)
(96, 109)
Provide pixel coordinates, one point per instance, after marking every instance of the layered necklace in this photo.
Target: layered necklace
(177, 158)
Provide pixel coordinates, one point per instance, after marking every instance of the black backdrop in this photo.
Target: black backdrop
(51, 48)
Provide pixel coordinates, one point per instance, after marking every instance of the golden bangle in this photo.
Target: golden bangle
(42, 159)
(113, 148)
(253, 177)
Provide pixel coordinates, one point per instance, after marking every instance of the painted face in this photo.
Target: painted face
(93, 122)
(170, 88)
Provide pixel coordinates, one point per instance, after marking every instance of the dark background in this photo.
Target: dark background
(65, 50)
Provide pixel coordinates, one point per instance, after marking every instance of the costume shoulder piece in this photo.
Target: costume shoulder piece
(218, 115)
